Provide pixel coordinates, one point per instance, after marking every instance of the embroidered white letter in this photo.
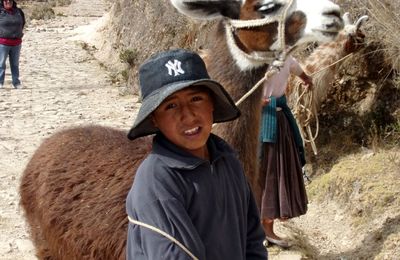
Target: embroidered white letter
(176, 67)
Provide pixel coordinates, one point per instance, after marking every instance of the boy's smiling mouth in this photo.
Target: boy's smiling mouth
(192, 131)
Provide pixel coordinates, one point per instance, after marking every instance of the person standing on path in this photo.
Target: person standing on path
(284, 195)
(191, 186)
(12, 22)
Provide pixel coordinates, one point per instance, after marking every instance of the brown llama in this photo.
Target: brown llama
(241, 51)
(322, 64)
(73, 189)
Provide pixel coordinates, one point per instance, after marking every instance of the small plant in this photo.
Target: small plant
(119, 77)
(128, 56)
(44, 12)
(84, 45)
(63, 2)
(394, 158)
(397, 80)
(114, 78)
(125, 74)
(392, 133)
(375, 137)
(55, 3)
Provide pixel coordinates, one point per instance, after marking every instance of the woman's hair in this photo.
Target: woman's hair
(14, 3)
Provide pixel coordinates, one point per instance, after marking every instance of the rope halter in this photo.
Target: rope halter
(264, 57)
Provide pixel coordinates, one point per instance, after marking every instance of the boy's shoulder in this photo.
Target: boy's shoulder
(151, 161)
(223, 145)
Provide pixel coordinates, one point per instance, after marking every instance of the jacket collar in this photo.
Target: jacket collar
(175, 157)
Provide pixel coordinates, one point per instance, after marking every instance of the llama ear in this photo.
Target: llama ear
(352, 28)
(361, 21)
(347, 19)
(208, 10)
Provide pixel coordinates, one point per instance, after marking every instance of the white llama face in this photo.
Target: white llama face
(258, 29)
(323, 17)
(324, 20)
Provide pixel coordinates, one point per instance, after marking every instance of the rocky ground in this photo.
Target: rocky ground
(63, 86)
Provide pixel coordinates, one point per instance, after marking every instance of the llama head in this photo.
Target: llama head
(352, 33)
(258, 30)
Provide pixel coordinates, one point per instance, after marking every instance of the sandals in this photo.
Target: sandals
(279, 242)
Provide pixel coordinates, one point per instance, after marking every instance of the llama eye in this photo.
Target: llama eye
(269, 8)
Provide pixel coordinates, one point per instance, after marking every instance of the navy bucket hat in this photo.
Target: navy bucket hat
(168, 72)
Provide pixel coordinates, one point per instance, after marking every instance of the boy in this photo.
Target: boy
(190, 198)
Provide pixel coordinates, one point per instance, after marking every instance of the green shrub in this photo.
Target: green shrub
(125, 74)
(128, 56)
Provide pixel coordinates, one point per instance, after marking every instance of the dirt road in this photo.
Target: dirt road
(64, 86)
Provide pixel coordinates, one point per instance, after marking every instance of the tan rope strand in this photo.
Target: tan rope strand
(334, 63)
(282, 26)
(159, 231)
(281, 31)
(308, 136)
(251, 91)
(311, 112)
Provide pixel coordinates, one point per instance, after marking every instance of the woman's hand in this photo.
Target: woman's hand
(307, 81)
(265, 101)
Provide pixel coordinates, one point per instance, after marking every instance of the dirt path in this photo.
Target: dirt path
(64, 86)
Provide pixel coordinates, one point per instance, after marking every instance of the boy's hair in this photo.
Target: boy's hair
(168, 72)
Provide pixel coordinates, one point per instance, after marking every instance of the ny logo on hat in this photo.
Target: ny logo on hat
(174, 66)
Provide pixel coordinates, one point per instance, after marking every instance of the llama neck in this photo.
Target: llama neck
(326, 55)
(321, 64)
(243, 133)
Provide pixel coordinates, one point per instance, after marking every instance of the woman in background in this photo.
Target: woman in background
(284, 194)
(12, 22)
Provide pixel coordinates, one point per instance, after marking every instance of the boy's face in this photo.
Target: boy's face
(186, 118)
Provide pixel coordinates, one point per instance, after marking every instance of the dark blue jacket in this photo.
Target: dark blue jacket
(11, 23)
(206, 205)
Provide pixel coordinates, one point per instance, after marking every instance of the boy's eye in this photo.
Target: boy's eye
(197, 98)
(170, 106)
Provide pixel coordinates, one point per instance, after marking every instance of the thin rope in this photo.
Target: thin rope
(260, 57)
(305, 105)
(266, 56)
(159, 231)
(273, 70)
(282, 27)
(304, 108)
(267, 75)
(345, 57)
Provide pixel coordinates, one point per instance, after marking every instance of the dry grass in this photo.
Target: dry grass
(366, 184)
(382, 27)
(386, 20)
(42, 12)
